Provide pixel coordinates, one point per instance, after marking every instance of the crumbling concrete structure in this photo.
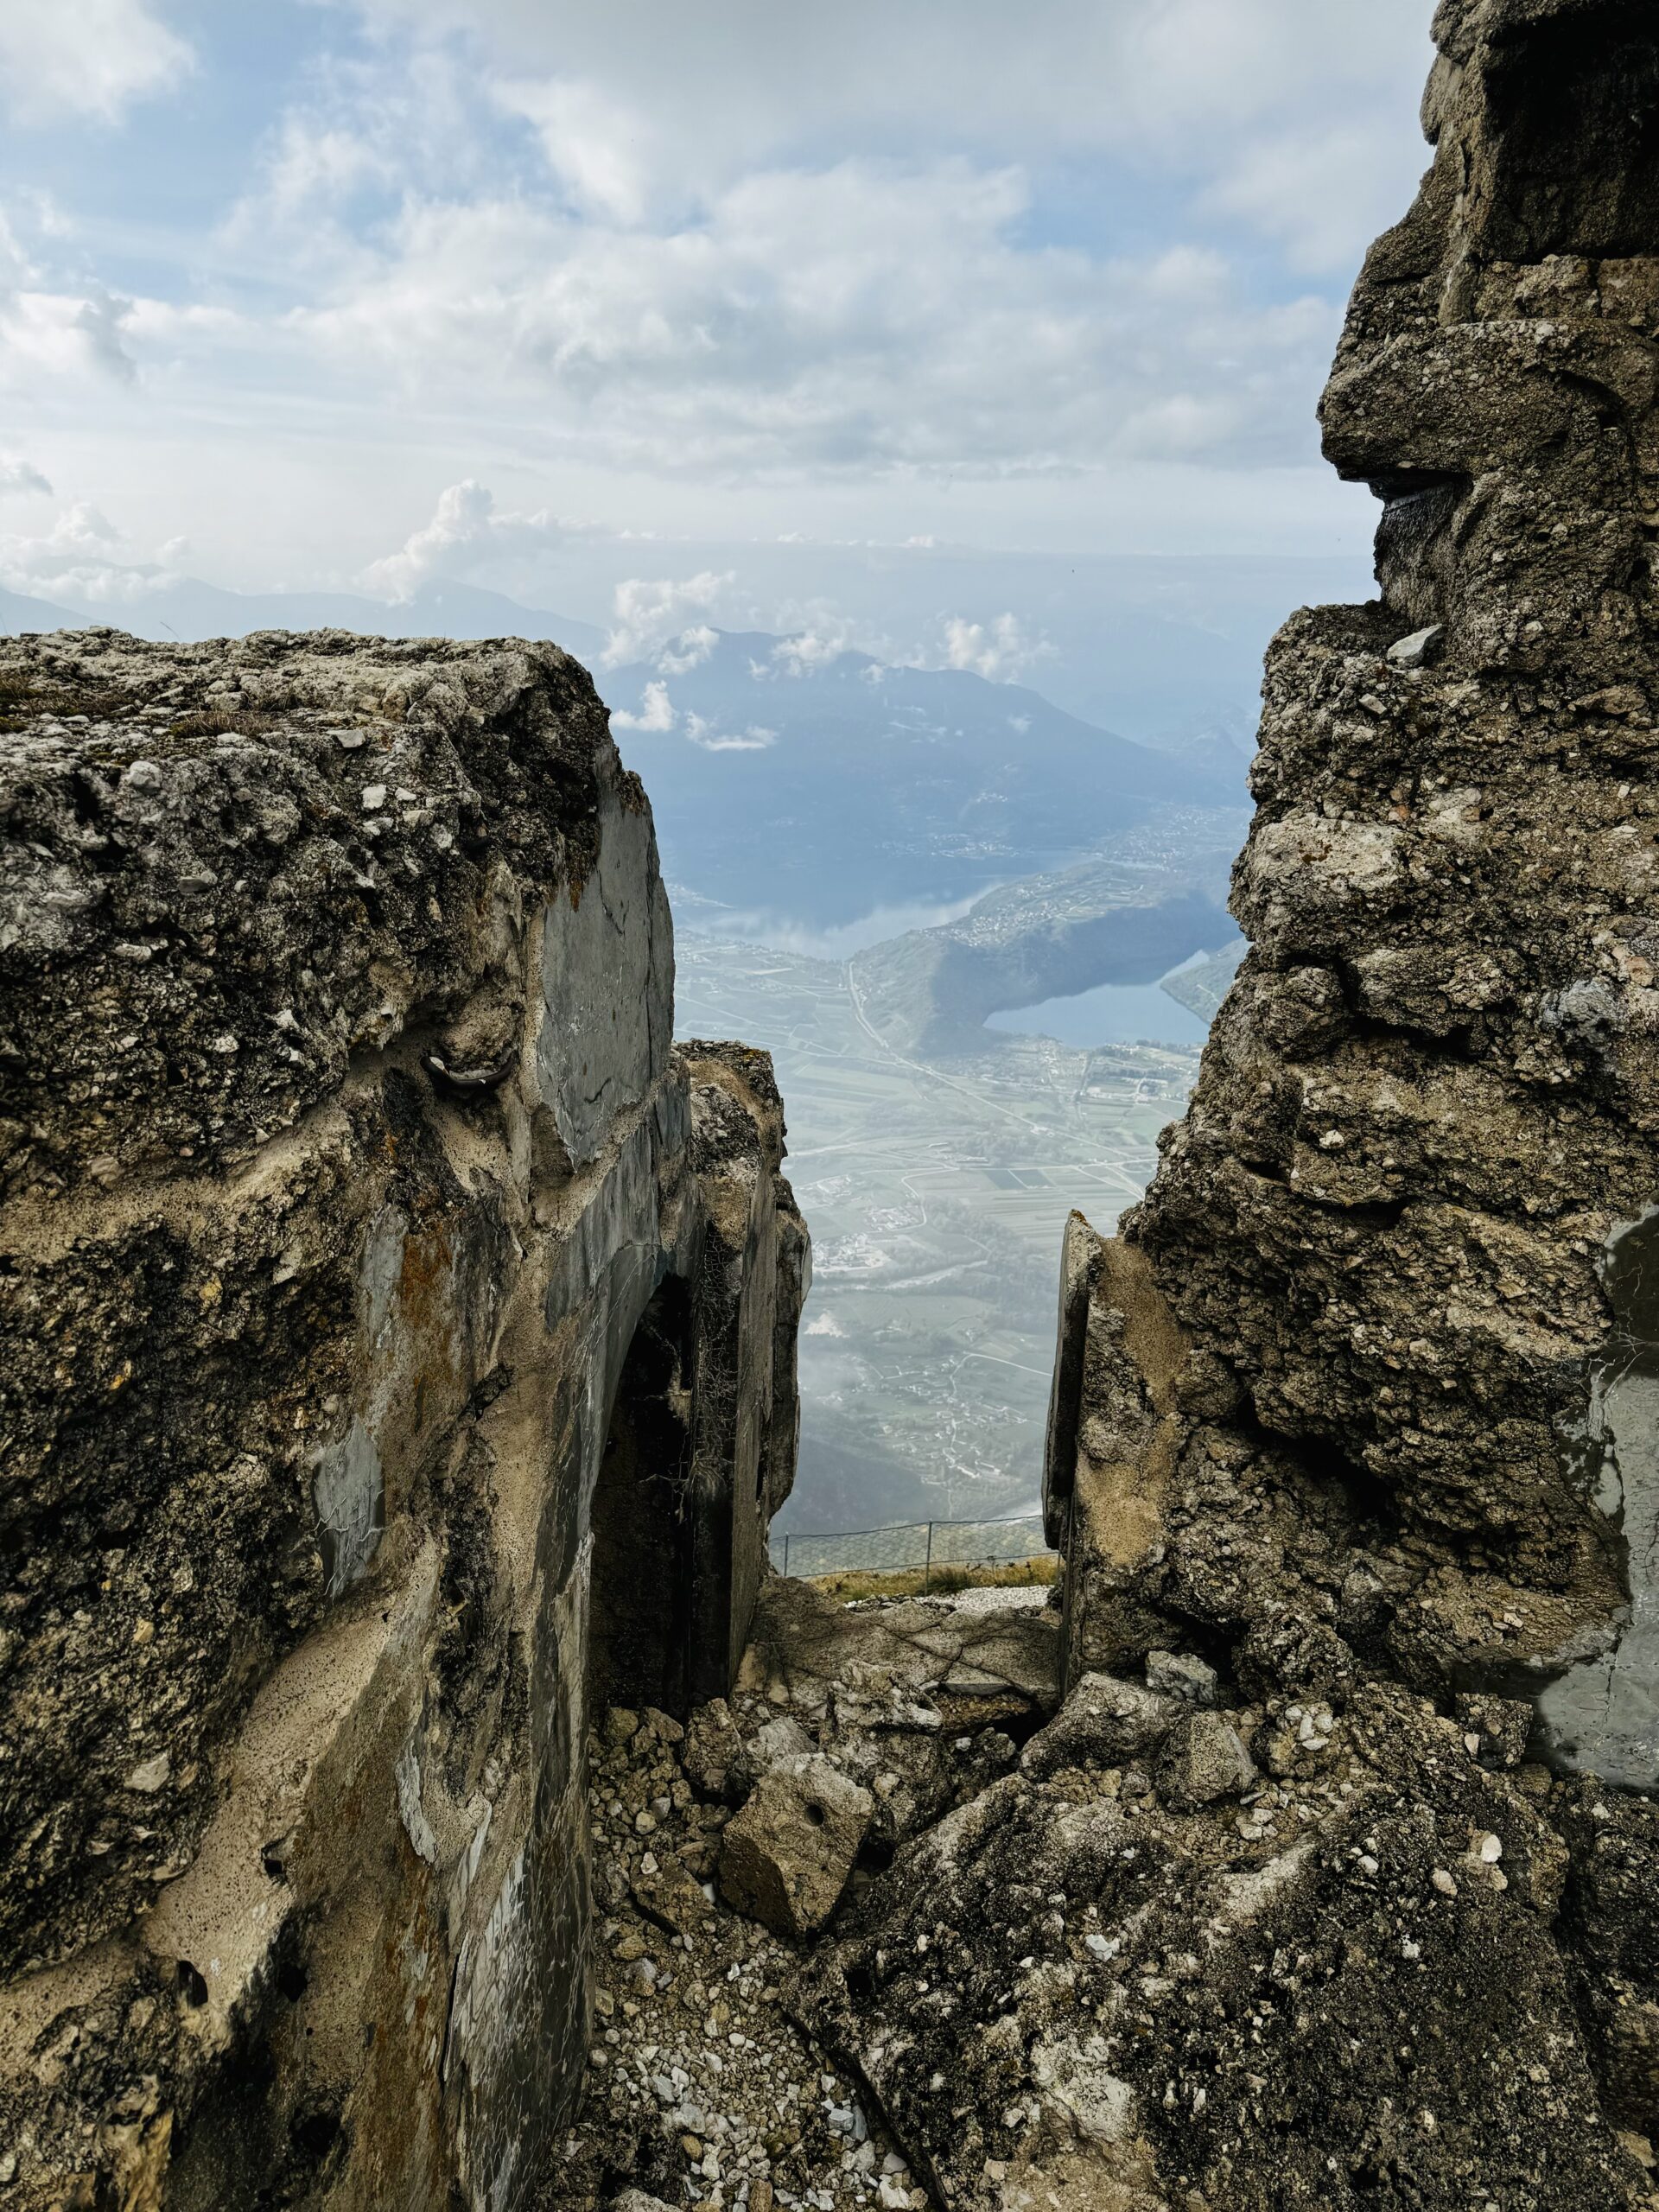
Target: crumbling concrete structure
(398, 1366)
(398, 1358)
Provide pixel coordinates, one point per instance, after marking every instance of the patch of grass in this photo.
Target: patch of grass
(218, 722)
(941, 1581)
(25, 696)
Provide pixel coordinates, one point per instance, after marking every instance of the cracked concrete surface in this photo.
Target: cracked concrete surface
(346, 1166)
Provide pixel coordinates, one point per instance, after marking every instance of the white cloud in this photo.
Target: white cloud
(99, 320)
(81, 527)
(592, 142)
(869, 317)
(84, 57)
(825, 636)
(998, 649)
(82, 557)
(753, 739)
(1322, 193)
(465, 531)
(58, 335)
(21, 476)
(312, 164)
(864, 281)
(368, 130)
(688, 650)
(648, 619)
(655, 711)
(635, 97)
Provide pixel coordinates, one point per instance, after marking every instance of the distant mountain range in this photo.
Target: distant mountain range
(793, 789)
(190, 609)
(822, 790)
(19, 613)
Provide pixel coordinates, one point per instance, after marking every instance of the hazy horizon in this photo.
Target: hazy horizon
(879, 335)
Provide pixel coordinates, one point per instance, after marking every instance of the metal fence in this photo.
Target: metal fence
(926, 1546)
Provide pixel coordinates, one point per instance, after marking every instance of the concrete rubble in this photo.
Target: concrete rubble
(707, 2084)
(785, 1857)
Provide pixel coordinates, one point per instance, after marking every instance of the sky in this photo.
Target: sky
(842, 321)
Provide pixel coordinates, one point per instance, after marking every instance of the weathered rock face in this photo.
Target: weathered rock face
(1353, 1431)
(1404, 1218)
(398, 1340)
(1080, 1992)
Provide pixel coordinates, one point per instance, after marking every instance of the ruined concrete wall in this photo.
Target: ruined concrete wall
(1336, 1884)
(344, 1148)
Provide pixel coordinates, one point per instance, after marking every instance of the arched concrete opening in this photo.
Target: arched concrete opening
(642, 1623)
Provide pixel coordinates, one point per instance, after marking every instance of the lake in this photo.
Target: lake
(1112, 1013)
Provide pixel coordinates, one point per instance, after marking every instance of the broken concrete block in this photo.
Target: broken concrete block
(1104, 1722)
(671, 1896)
(1204, 1758)
(788, 1854)
(668, 1894)
(782, 1743)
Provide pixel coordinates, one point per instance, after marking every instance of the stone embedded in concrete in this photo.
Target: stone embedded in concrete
(712, 1748)
(671, 1896)
(349, 1187)
(1181, 1675)
(777, 1742)
(785, 1856)
(1201, 1759)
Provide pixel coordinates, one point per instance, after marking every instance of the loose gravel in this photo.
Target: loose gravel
(700, 2091)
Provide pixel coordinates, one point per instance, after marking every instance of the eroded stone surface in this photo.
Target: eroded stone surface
(363, 1237)
(1425, 1124)
(1073, 1992)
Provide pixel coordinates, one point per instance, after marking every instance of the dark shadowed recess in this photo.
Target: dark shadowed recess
(641, 1618)
(1575, 103)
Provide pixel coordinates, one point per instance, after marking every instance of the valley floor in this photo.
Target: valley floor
(936, 1197)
